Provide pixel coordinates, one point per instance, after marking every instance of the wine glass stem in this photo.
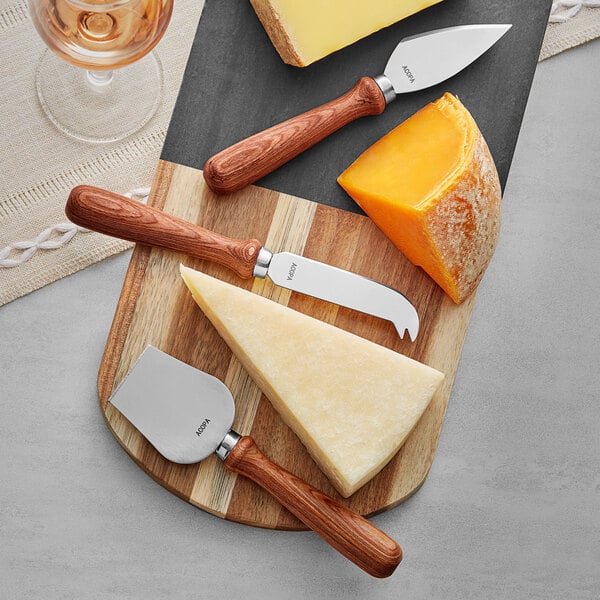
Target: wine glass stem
(100, 78)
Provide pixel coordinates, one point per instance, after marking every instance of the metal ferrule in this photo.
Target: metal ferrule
(385, 85)
(263, 261)
(226, 446)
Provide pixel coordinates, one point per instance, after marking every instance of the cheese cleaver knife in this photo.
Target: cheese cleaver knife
(187, 414)
(417, 62)
(118, 216)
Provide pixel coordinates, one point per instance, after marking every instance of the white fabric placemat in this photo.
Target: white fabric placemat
(40, 165)
(571, 23)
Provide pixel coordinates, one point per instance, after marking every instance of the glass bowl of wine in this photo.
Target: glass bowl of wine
(99, 80)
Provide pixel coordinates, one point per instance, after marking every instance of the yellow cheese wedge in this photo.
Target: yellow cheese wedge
(304, 31)
(351, 402)
(432, 187)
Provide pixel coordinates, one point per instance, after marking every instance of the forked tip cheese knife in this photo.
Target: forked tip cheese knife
(187, 415)
(118, 216)
(417, 62)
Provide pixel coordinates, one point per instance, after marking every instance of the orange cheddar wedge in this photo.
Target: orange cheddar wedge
(432, 187)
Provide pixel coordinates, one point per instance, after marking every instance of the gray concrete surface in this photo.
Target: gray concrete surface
(511, 507)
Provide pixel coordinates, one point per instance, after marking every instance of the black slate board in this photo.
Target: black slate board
(235, 84)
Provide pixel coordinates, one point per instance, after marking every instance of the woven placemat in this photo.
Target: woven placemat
(571, 23)
(40, 165)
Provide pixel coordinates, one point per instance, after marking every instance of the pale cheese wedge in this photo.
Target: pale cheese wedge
(351, 402)
(304, 31)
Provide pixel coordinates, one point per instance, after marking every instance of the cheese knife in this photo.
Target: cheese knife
(187, 414)
(121, 217)
(418, 62)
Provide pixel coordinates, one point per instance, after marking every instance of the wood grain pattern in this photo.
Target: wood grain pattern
(254, 157)
(116, 215)
(156, 308)
(349, 533)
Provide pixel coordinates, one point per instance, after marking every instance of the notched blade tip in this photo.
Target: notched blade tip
(412, 332)
(412, 328)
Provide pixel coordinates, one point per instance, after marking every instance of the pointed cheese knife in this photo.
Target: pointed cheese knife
(417, 62)
(187, 414)
(118, 216)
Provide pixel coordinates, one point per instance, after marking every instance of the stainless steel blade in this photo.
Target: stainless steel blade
(427, 59)
(112, 214)
(351, 290)
(417, 62)
(184, 429)
(186, 414)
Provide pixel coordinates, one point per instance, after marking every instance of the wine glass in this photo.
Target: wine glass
(101, 82)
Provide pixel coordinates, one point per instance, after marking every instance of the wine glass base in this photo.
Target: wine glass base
(91, 110)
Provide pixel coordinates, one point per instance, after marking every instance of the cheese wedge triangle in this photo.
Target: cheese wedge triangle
(304, 31)
(351, 402)
(432, 187)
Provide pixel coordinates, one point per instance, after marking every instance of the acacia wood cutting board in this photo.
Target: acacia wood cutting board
(156, 308)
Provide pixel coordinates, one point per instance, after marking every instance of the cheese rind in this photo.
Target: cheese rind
(304, 31)
(351, 402)
(432, 187)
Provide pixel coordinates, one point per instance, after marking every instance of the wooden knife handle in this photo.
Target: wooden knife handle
(349, 533)
(256, 156)
(118, 216)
